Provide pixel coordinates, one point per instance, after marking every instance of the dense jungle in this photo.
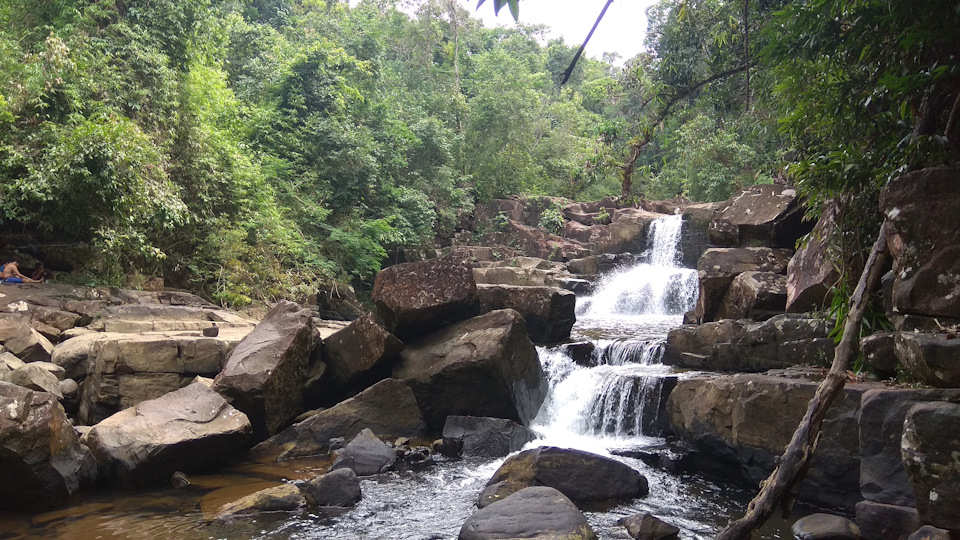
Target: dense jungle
(252, 150)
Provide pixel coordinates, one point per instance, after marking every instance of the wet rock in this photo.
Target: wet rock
(727, 418)
(879, 352)
(487, 437)
(879, 521)
(365, 455)
(825, 527)
(188, 430)
(810, 273)
(549, 312)
(19, 338)
(581, 476)
(882, 476)
(718, 267)
(285, 498)
(649, 527)
(761, 215)
(595, 265)
(264, 375)
(41, 457)
(754, 295)
(928, 532)
(922, 226)
(581, 352)
(388, 407)
(339, 487)
(930, 358)
(36, 378)
(535, 512)
(931, 456)
(414, 299)
(484, 366)
(360, 354)
(179, 480)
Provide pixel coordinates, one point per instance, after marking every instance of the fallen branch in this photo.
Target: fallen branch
(793, 464)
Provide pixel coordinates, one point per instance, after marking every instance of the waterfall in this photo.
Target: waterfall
(619, 397)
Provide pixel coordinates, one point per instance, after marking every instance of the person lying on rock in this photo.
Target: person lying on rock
(11, 274)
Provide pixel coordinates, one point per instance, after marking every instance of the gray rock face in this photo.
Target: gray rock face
(187, 430)
(535, 512)
(928, 532)
(931, 456)
(754, 295)
(487, 437)
(388, 407)
(549, 312)
(922, 210)
(42, 460)
(484, 366)
(365, 455)
(360, 353)
(879, 351)
(34, 377)
(649, 527)
(414, 299)
(339, 487)
(264, 375)
(810, 274)
(882, 412)
(882, 521)
(825, 527)
(285, 498)
(581, 476)
(761, 215)
(747, 420)
(18, 337)
(719, 266)
(931, 358)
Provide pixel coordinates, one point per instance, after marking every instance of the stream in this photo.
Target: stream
(612, 401)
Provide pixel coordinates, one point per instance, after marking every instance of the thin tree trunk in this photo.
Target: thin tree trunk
(792, 465)
(746, 50)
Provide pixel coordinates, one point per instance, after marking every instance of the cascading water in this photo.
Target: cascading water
(616, 400)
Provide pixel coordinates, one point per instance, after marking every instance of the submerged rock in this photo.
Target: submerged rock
(339, 487)
(581, 476)
(535, 512)
(649, 527)
(285, 498)
(365, 455)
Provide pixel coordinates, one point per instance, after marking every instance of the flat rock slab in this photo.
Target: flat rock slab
(42, 460)
(188, 430)
(535, 512)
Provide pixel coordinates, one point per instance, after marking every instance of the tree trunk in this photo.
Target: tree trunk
(793, 464)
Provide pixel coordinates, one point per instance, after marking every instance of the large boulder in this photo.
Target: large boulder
(535, 512)
(487, 437)
(366, 455)
(548, 312)
(264, 375)
(582, 476)
(718, 267)
(883, 478)
(761, 215)
(359, 355)
(484, 366)
(880, 521)
(754, 295)
(120, 370)
(747, 420)
(18, 337)
(414, 299)
(931, 456)
(388, 408)
(811, 274)
(933, 359)
(825, 527)
(922, 210)
(187, 430)
(42, 460)
(649, 527)
(34, 377)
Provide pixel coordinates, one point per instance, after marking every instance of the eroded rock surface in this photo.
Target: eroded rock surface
(535, 512)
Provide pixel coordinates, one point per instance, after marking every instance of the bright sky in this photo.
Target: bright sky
(621, 30)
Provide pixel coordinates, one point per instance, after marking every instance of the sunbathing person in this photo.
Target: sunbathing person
(11, 274)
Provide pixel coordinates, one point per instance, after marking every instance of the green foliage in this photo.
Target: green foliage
(551, 219)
